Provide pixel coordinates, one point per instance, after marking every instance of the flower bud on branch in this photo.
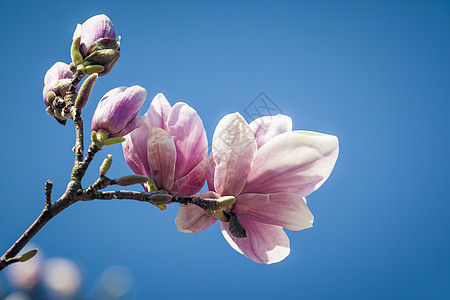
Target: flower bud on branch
(116, 112)
(97, 45)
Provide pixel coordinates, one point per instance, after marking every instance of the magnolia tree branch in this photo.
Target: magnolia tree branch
(91, 193)
(70, 107)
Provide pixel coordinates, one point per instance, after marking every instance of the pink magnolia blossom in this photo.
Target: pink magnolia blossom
(93, 29)
(59, 71)
(270, 170)
(117, 110)
(171, 147)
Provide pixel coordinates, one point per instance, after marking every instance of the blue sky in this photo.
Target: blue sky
(374, 73)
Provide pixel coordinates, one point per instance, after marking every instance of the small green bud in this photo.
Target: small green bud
(27, 256)
(208, 212)
(106, 164)
(113, 141)
(102, 135)
(94, 69)
(131, 179)
(75, 51)
(94, 137)
(85, 91)
(219, 214)
(151, 185)
(161, 207)
(73, 67)
(160, 198)
(51, 96)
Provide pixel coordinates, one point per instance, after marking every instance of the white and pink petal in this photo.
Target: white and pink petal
(295, 162)
(158, 112)
(267, 127)
(161, 158)
(287, 210)
(192, 182)
(193, 219)
(233, 150)
(265, 244)
(135, 150)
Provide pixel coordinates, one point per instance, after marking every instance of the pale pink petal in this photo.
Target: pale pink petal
(187, 131)
(210, 173)
(193, 219)
(135, 150)
(233, 150)
(295, 162)
(265, 244)
(267, 127)
(287, 210)
(158, 112)
(161, 158)
(192, 182)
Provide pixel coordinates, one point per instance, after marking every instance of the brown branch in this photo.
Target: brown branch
(79, 136)
(48, 193)
(157, 197)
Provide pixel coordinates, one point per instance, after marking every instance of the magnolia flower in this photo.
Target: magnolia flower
(269, 169)
(58, 72)
(117, 110)
(92, 30)
(171, 147)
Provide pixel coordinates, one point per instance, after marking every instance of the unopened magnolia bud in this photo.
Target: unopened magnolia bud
(106, 164)
(219, 214)
(117, 110)
(57, 72)
(113, 141)
(151, 185)
(85, 91)
(94, 69)
(92, 30)
(131, 179)
(77, 58)
(226, 201)
(161, 207)
(236, 228)
(27, 256)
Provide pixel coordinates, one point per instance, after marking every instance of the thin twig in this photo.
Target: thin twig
(48, 193)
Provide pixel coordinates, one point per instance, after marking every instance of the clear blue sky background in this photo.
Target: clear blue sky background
(374, 73)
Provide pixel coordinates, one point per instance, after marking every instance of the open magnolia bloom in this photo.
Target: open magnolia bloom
(170, 146)
(268, 169)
